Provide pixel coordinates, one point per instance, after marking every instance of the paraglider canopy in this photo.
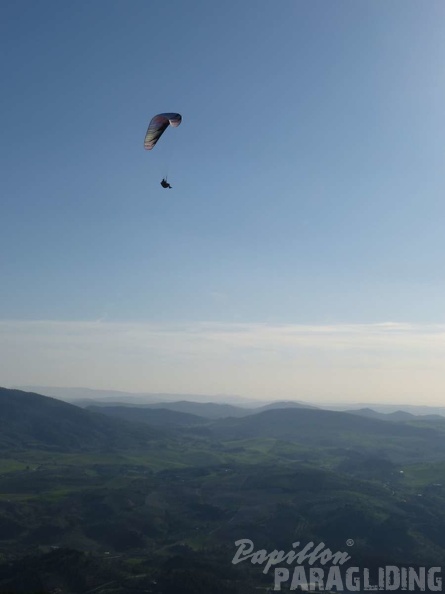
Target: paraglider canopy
(158, 126)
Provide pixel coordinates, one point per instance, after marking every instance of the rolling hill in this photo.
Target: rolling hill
(329, 429)
(152, 416)
(29, 420)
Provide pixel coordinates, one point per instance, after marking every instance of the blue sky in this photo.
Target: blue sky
(308, 173)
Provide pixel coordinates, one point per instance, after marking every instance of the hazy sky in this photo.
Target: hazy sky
(300, 252)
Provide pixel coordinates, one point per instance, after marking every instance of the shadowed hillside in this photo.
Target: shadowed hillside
(323, 428)
(184, 412)
(151, 416)
(29, 420)
(79, 489)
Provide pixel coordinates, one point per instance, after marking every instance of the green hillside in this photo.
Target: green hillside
(92, 502)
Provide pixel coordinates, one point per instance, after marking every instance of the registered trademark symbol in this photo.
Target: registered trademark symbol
(350, 542)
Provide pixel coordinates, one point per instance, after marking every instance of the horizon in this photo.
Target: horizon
(347, 362)
(73, 394)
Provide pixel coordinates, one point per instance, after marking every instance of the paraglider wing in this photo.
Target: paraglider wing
(158, 126)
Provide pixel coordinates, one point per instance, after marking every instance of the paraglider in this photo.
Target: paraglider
(156, 129)
(158, 126)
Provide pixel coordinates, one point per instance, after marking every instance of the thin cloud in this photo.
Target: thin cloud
(353, 361)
